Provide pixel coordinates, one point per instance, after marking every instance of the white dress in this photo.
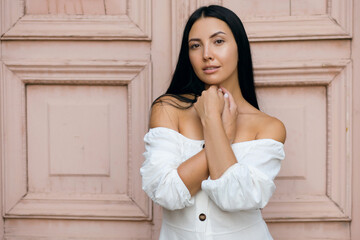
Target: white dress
(227, 208)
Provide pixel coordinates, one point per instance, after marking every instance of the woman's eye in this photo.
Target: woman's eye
(193, 46)
(219, 41)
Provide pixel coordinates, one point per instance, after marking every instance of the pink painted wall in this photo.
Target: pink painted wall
(76, 82)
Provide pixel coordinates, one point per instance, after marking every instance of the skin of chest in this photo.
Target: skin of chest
(248, 125)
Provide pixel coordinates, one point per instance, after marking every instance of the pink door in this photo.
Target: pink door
(75, 95)
(77, 78)
(302, 52)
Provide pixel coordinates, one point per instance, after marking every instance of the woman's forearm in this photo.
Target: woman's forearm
(218, 150)
(193, 171)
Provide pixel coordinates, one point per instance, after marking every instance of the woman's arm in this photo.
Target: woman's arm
(248, 184)
(194, 170)
(217, 110)
(219, 154)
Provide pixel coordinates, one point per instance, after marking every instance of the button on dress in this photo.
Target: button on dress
(227, 208)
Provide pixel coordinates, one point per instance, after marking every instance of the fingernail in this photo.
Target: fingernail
(226, 95)
(220, 90)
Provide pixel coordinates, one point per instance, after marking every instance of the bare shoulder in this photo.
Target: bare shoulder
(272, 128)
(164, 113)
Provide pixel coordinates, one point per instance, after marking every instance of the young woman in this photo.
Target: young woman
(211, 154)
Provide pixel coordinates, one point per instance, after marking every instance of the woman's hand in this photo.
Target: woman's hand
(210, 104)
(229, 115)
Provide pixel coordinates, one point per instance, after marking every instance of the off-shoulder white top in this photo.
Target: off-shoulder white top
(227, 208)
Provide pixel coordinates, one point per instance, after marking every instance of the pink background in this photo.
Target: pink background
(77, 78)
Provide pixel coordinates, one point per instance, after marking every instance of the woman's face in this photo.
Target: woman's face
(213, 51)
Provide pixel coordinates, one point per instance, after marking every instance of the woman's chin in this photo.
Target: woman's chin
(212, 81)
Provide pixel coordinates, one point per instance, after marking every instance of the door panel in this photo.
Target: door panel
(307, 85)
(74, 112)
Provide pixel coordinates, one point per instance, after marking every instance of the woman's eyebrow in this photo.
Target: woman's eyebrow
(217, 33)
(194, 39)
(212, 35)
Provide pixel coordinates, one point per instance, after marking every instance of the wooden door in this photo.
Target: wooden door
(75, 95)
(303, 72)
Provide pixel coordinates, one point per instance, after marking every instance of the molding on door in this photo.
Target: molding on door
(18, 201)
(336, 23)
(335, 76)
(135, 25)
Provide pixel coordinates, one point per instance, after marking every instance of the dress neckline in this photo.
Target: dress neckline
(202, 141)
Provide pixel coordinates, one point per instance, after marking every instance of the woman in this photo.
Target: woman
(211, 155)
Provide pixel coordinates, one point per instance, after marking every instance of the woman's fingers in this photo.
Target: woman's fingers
(227, 103)
(229, 114)
(210, 103)
(220, 94)
(232, 105)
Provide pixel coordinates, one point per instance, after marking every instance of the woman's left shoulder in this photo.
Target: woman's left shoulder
(271, 127)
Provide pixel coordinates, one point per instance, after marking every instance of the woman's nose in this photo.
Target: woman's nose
(207, 53)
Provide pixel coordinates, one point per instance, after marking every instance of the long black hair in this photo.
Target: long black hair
(186, 86)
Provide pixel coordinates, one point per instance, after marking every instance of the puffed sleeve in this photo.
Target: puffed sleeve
(160, 179)
(249, 183)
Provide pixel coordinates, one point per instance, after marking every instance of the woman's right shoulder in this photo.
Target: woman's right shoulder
(164, 113)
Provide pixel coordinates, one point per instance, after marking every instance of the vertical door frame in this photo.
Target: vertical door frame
(355, 52)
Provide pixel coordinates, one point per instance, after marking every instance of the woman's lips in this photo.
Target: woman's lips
(209, 70)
